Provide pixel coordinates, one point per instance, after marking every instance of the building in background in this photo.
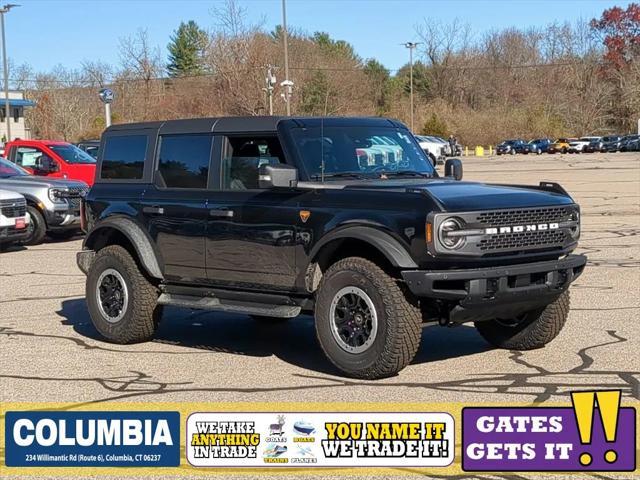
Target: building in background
(17, 104)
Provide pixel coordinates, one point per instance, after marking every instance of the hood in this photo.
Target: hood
(461, 196)
(35, 182)
(453, 195)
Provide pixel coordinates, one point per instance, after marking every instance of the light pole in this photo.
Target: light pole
(106, 96)
(270, 81)
(287, 84)
(7, 111)
(411, 46)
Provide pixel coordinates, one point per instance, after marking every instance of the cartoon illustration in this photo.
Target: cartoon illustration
(303, 428)
(274, 450)
(277, 428)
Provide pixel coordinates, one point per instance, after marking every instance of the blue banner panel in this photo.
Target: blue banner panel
(92, 439)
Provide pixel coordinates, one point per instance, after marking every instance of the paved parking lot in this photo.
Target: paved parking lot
(49, 350)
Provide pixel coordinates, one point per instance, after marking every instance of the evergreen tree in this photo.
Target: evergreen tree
(186, 50)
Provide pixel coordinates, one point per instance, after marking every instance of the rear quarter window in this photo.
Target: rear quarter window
(124, 157)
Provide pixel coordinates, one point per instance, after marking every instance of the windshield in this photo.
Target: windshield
(72, 154)
(8, 169)
(333, 151)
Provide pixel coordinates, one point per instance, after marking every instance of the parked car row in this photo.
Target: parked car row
(609, 143)
(437, 148)
(14, 222)
(51, 178)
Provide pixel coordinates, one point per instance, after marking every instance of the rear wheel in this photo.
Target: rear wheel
(528, 331)
(121, 300)
(366, 325)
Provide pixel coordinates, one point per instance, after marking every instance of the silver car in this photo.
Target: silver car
(53, 205)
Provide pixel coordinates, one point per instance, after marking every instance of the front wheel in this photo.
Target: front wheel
(120, 299)
(539, 151)
(528, 331)
(37, 227)
(366, 325)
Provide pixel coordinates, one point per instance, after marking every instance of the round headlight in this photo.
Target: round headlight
(447, 227)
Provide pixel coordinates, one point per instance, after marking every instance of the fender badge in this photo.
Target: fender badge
(304, 215)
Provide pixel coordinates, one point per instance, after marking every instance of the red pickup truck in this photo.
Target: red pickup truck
(52, 159)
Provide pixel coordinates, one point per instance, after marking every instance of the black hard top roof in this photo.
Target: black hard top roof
(252, 124)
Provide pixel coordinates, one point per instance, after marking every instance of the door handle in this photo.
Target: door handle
(221, 212)
(158, 210)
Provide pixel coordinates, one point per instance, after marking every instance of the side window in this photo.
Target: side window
(124, 157)
(243, 158)
(27, 156)
(183, 161)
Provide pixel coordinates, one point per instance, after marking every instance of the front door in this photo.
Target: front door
(30, 158)
(251, 233)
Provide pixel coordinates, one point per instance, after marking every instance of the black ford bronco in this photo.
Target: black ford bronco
(343, 218)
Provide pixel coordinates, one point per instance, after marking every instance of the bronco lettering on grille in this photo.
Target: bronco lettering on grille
(522, 228)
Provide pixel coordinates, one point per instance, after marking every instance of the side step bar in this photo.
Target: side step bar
(232, 306)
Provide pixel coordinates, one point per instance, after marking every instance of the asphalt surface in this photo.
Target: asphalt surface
(50, 352)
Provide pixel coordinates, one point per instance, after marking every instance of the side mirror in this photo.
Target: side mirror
(277, 176)
(453, 168)
(46, 165)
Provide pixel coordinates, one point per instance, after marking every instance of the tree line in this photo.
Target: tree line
(563, 79)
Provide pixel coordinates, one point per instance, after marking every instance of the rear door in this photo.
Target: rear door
(175, 205)
(251, 234)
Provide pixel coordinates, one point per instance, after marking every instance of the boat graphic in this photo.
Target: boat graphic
(303, 428)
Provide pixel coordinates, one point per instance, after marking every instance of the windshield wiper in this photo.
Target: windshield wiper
(412, 173)
(339, 175)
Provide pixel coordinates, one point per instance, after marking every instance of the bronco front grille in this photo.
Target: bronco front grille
(514, 231)
(523, 240)
(501, 218)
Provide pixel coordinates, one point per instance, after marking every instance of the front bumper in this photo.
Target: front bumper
(63, 218)
(497, 292)
(11, 234)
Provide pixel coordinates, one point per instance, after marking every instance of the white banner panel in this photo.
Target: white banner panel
(329, 439)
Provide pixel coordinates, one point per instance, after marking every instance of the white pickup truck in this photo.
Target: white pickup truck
(14, 222)
(435, 149)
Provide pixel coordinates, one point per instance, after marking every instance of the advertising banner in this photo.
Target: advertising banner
(327, 439)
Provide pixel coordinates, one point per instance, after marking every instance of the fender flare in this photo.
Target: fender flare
(391, 248)
(138, 238)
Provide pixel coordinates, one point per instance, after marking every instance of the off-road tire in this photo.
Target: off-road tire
(535, 331)
(139, 322)
(399, 320)
(39, 228)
